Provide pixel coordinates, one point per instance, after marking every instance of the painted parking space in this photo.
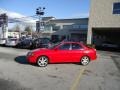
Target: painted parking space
(77, 79)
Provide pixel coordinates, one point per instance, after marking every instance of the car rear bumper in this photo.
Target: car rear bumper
(2, 42)
(10, 44)
(94, 57)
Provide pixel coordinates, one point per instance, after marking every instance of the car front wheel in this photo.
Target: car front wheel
(42, 61)
(85, 60)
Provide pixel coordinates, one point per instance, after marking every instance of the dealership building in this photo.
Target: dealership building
(70, 29)
(104, 22)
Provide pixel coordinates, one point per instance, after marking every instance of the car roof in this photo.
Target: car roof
(74, 42)
(70, 42)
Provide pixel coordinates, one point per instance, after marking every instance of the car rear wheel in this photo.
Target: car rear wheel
(85, 60)
(42, 61)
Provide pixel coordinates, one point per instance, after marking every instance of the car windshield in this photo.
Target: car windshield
(12, 39)
(54, 45)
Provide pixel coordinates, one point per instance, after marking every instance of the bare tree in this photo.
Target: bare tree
(16, 28)
(29, 30)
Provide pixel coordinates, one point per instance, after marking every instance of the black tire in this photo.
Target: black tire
(42, 61)
(85, 60)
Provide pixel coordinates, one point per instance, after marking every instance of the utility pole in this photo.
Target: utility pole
(40, 13)
(4, 24)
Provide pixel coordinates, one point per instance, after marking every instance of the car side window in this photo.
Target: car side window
(76, 46)
(65, 47)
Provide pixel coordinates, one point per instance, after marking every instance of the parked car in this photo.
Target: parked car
(64, 52)
(108, 44)
(11, 42)
(41, 43)
(2, 41)
(24, 43)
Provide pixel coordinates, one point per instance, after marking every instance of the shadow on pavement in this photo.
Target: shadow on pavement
(11, 85)
(21, 60)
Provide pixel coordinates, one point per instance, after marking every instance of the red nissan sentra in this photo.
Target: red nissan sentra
(65, 52)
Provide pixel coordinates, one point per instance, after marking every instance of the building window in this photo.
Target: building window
(83, 26)
(67, 26)
(56, 28)
(116, 8)
(80, 26)
(76, 26)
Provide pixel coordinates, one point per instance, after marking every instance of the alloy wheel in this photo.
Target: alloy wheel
(42, 61)
(85, 60)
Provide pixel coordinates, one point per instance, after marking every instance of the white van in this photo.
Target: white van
(11, 42)
(2, 41)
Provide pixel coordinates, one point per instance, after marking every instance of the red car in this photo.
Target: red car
(65, 52)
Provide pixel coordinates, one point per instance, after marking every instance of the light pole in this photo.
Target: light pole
(39, 12)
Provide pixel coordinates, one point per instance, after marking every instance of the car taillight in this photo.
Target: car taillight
(94, 49)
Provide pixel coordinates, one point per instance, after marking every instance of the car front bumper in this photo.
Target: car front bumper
(31, 59)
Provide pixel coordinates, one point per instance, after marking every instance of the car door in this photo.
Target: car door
(61, 53)
(76, 52)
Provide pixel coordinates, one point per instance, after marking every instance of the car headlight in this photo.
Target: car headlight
(30, 54)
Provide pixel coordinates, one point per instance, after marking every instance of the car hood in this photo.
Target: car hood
(40, 50)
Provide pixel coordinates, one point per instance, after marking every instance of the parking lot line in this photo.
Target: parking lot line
(77, 80)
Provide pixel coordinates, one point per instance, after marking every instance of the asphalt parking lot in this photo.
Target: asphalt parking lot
(17, 74)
